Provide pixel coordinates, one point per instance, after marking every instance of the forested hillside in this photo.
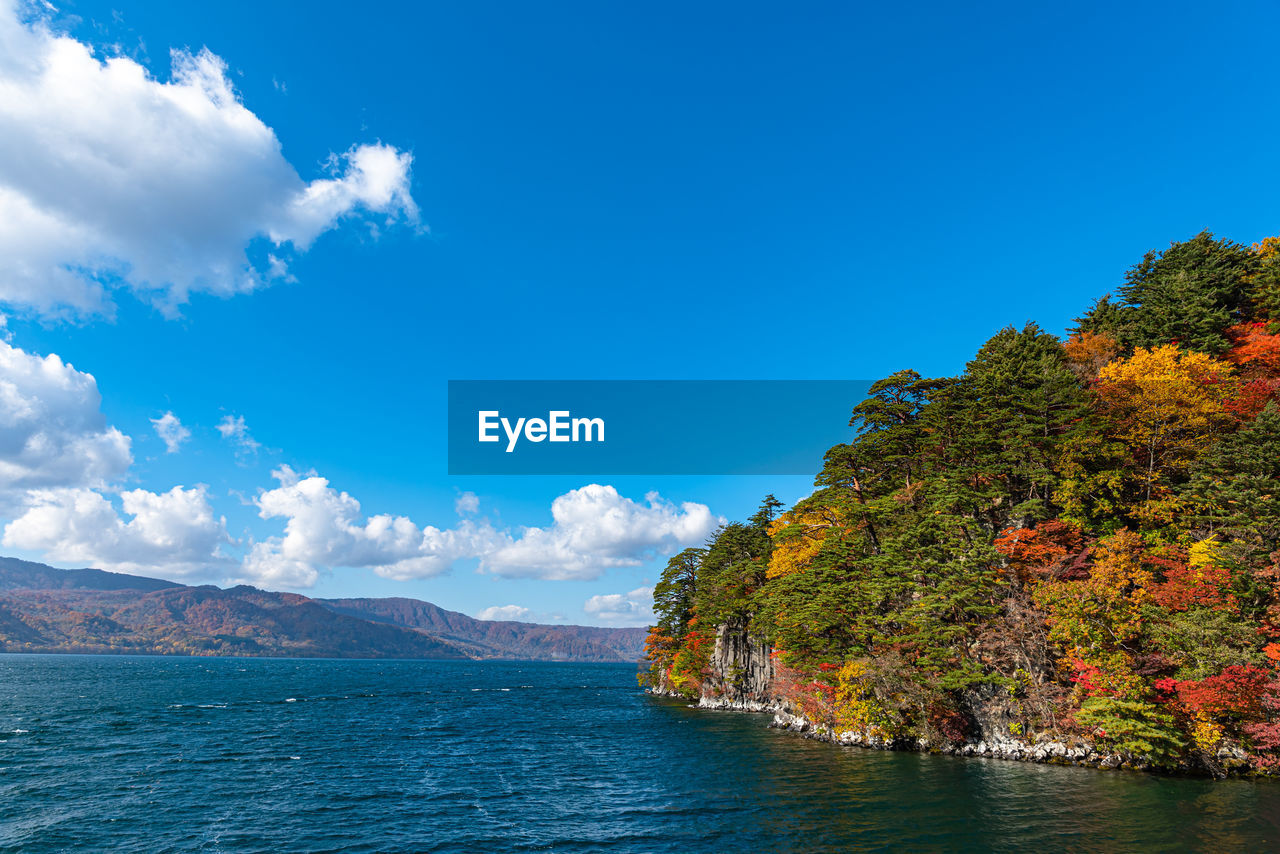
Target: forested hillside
(43, 609)
(1076, 539)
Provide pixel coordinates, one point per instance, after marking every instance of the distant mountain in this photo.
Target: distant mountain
(499, 638)
(43, 609)
(18, 574)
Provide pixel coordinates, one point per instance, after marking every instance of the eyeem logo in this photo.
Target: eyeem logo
(700, 427)
(559, 426)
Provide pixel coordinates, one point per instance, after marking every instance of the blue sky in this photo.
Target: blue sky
(736, 191)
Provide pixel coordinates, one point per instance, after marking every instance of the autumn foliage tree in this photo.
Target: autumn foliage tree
(1078, 538)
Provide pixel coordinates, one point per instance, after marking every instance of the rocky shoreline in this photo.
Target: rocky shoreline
(1230, 762)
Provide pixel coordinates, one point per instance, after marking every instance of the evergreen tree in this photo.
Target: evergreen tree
(676, 592)
(1188, 295)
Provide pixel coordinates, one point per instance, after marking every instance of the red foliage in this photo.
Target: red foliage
(1254, 350)
(1185, 586)
(1087, 677)
(814, 699)
(1237, 691)
(1265, 734)
(950, 724)
(1252, 397)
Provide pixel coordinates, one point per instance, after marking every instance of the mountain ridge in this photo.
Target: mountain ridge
(44, 609)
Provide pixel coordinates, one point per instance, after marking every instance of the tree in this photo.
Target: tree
(676, 592)
(1235, 486)
(1097, 621)
(1188, 294)
(1088, 352)
(1167, 408)
(1265, 282)
(1136, 727)
(1019, 398)
(735, 567)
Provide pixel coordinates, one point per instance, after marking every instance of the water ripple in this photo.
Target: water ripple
(158, 754)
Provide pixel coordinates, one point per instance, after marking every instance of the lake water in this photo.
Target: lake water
(159, 754)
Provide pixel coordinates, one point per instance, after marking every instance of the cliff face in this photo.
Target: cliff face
(742, 672)
(741, 675)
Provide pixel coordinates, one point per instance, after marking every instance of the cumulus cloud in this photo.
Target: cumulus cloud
(506, 612)
(113, 179)
(58, 455)
(171, 431)
(631, 609)
(325, 528)
(173, 533)
(59, 460)
(595, 528)
(52, 431)
(235, 431)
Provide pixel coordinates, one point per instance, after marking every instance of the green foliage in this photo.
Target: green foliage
(1266, 283)
(1188, 294)
(1201, 642)
(1134, 727)
(1236, 487)
(733, 569)
(1020, 400)
(1063, 531)
(676, 591)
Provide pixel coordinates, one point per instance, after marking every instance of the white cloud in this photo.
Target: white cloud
(170, 429)
(595, 528)
(58, 456)
(506, 612)
(630, 609)
(235, 431)
(325, 528)
(173, 533)
(52, 431)
(112, 179)
(467, 504)
(266, 566)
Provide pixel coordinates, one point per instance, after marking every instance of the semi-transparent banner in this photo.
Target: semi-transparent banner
(587, 427)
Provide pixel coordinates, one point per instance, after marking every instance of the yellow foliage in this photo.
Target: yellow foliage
(1202, 557)
(1092, 620)
(1268, 248)
(857, 707)
(1206, 734)
(1118, 573)
(797, 536)
(1166, 406)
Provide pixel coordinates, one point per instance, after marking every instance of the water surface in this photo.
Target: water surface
(174, 754)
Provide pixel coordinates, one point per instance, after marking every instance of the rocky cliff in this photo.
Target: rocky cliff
(742, 675)
(742, 672)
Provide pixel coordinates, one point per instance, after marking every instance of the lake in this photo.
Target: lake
(183, 754)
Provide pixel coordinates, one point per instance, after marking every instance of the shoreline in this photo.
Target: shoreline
(1232, 762)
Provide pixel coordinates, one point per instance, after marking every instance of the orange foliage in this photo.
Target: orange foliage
(1031, 552)
(1254, 347)
(1088, 352)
